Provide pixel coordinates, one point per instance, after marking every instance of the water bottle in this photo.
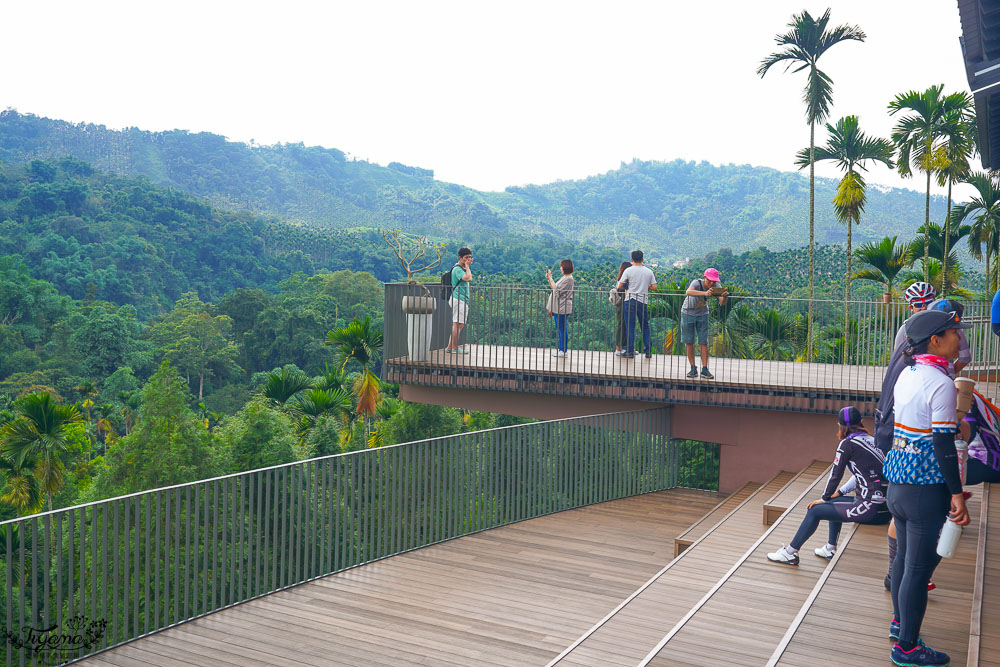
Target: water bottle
(962, 450)
(948, 542)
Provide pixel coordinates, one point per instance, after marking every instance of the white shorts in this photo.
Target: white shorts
(459, 310)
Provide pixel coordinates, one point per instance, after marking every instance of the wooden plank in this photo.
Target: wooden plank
(753, 598)
(858, 575)
(700, 527)
(975, 620)
(514, 595)
(628, 630)
(842, 546)
(779, 502)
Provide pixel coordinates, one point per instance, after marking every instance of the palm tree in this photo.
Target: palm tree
(282, 385)
(954, 232)
(922, 137)
(962, 138)
(985, 209)
(362, 343)
(804, 43)
(772, 335)
(39, 436)
(850, 148)
(22, 491)
(885, 260)
(936, 276)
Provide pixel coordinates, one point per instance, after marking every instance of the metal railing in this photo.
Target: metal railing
(86, 578)
(754, 342)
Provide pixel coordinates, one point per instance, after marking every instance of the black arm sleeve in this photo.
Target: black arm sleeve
(843, 456)
(947, 459)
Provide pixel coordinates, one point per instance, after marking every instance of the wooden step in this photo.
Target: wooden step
(855, 576)
(629, 630)
(704, 524)
(776, 505)
(984, 623)
(745, 615)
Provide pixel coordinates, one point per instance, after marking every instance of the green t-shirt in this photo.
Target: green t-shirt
(461, 287)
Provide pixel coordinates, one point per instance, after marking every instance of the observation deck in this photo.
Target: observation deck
(759, 351)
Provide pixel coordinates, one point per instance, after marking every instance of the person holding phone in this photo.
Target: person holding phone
(461, 277)
(694, 318)
(560, 304)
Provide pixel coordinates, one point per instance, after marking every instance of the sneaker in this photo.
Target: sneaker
(562, 354)
(555, 353)
(618, 353)
(461, 350)
(920, 655)
(628, 355)
(705, 373)
(781, 556)
(894, 630)
(449, 350)
(824, 552)
(693, 373)
(930, 586)
(649, 355)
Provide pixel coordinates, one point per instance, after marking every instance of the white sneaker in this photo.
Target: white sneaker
(555, 353)
(562, 354)
(781, 556)
(618, 353)
(823, 552)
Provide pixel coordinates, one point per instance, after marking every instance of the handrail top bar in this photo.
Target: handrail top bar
(662, 293)
(39, 515)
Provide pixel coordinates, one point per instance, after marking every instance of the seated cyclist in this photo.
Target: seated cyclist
(857, 452)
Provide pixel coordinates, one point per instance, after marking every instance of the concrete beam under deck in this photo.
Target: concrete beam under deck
(757, 443)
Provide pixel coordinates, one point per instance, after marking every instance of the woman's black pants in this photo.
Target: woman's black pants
(919, 512)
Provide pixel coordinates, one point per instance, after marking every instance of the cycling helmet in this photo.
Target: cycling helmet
(948, 305)
(919, 294)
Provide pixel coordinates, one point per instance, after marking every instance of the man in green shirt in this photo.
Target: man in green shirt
(461, 276)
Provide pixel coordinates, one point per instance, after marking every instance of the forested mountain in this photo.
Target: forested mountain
(673, 209)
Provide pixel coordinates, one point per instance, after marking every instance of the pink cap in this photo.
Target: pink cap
(712, 275)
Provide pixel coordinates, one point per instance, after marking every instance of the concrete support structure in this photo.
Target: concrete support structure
(756, 443)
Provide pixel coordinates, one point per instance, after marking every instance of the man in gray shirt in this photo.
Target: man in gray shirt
(694, 318)
(637, 280)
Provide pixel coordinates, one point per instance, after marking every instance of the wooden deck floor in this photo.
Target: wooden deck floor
(748, 611)
(858, 576)
(627, 636)
(738, 372)
(662, 377)
(516, 595)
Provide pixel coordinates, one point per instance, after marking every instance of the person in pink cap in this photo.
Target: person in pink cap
(694, 318)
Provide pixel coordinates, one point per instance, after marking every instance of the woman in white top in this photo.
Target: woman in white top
(560, 304)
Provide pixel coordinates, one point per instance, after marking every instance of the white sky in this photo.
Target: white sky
(486, 94)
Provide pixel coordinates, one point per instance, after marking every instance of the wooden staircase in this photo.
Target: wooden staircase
(720, 601)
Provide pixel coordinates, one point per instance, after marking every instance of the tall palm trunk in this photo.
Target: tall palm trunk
(812, 216)
(987, 271)
(947, 239)
(927, 229)
(847, 286)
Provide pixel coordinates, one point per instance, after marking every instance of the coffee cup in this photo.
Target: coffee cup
(965, 387)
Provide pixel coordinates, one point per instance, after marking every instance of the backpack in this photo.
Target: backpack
(446, 284)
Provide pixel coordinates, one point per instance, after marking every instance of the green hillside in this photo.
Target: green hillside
(674, 210)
